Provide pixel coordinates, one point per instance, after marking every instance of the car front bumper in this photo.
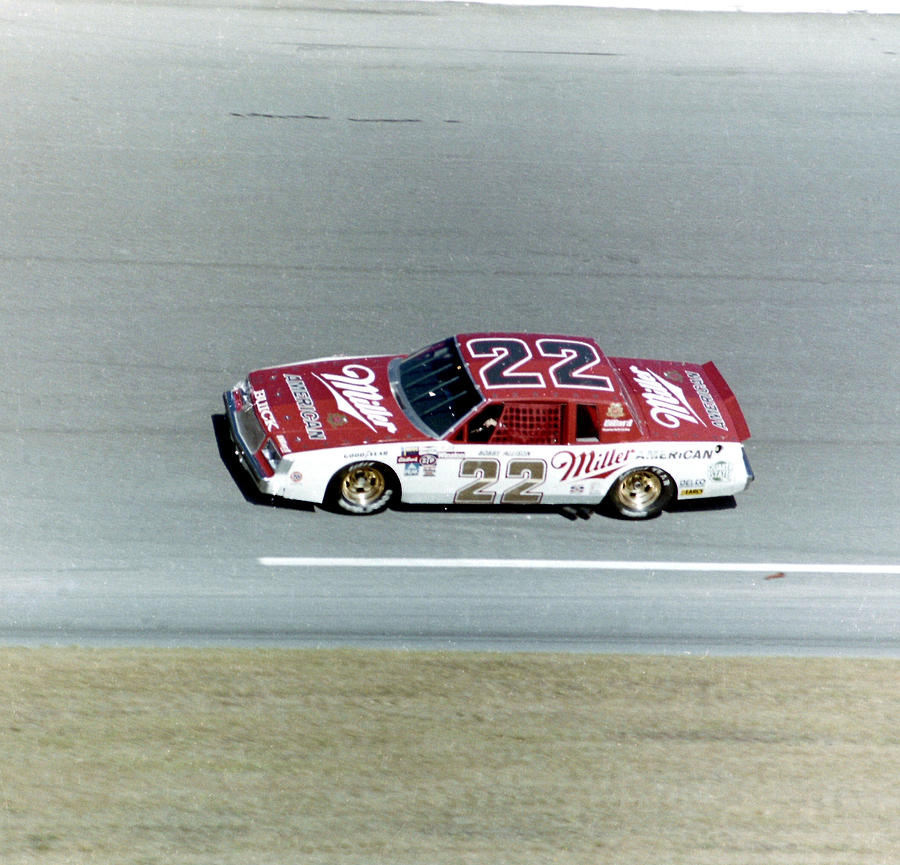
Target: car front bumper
(242, 449)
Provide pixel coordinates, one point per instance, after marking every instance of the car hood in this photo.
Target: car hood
(331, 402)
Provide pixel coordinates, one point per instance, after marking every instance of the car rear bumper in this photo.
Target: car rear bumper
(750, 476)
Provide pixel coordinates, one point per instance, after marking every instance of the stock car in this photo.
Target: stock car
(491, 418)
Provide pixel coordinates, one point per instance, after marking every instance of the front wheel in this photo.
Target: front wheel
(641, 493)
(362, 488)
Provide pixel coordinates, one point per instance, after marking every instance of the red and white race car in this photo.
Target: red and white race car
(491, 418)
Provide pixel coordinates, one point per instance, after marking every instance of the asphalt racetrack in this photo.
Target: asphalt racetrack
(191, 191)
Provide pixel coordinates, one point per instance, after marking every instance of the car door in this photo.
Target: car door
(505, 452)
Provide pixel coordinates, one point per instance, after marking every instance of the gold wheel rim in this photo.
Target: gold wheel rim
(639, 490)
(363, 486)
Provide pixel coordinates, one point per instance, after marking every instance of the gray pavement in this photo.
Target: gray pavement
(193, 191)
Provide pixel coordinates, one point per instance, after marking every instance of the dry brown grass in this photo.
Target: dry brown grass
(352, 757)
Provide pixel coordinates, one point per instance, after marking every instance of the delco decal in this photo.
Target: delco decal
(709, 402)
(306, 406)
(590, 464)
(667, 402)
(356, 396)
(688, 483)
(265, 413)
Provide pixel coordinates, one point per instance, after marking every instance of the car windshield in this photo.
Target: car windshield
(434, 388)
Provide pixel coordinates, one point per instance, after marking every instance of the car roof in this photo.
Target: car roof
(538, 366)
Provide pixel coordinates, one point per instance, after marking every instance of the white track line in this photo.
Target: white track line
(573, 565)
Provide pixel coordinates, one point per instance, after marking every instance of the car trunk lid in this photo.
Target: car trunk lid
(682, 401)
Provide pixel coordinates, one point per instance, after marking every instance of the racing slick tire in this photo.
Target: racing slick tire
(641, 493)
(362, 488)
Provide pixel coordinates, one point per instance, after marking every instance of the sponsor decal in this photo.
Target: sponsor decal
(336, 420)
(709, 402)
(357, 397)
(306, 406)
(265, 413)
(667, 403)
(414, 456)
(296, 477)
(688, 454)
(612, 424)
(693, 482)
(692, 492)
(615, 420)
(413, 461)
(720, 471)
(590, 464)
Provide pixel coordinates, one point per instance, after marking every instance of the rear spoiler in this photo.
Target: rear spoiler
(727, 397)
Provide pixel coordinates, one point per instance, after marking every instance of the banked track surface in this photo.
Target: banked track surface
(197, 191)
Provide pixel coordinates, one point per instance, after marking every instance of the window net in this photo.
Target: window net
(529, 423)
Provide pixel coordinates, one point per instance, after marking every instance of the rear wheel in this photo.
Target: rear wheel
(641, 493)
(362, 488)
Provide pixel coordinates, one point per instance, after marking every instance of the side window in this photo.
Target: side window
(604, 423)
(586, 427)
(515, 423)
(483, 425)
(529, 424)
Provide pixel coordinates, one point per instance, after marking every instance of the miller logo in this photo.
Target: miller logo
(584, 465)
(356, 396)
(667, 403)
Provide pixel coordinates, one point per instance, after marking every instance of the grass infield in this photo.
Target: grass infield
(369, 757)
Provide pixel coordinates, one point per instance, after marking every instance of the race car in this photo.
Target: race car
(490, 419)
